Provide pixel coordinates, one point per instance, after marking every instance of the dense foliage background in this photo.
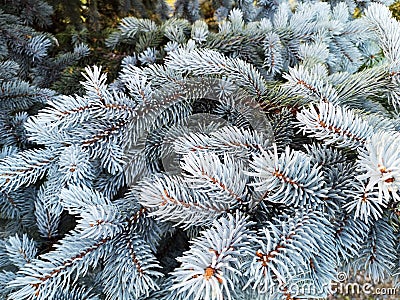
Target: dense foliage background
(198, 149)
(92, 22)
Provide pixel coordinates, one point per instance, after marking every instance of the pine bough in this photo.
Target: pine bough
(255, 205)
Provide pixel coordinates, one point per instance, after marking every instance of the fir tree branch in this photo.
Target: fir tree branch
(24, 168)
(291, 178)
(210, 266)
(330, 123)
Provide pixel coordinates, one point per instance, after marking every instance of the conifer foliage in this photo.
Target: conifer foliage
(247, 163)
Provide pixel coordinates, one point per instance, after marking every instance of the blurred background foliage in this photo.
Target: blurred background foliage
(395, 8)
(92, 21)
